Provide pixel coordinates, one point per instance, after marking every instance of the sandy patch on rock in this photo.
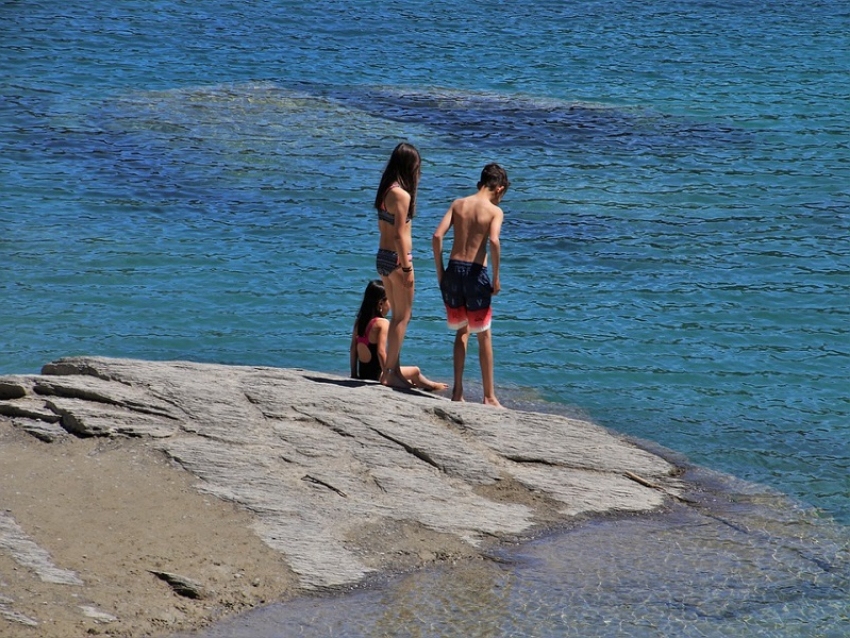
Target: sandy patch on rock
(112, 511)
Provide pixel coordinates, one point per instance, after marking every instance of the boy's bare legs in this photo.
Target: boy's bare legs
(459, 360)
(485, 356)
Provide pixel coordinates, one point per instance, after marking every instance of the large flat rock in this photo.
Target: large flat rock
(323, 462)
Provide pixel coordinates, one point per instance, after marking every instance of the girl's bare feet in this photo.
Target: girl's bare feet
(433, 386)
(494, 402)
(392, 379)
(414, 375)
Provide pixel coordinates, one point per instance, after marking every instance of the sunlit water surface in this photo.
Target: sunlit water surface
(193, 181)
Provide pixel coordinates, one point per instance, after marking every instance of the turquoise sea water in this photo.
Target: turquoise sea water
(194, 181)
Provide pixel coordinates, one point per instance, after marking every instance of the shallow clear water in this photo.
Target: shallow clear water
(740, 562)
(193, 181)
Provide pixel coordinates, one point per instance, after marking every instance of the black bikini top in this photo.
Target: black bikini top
(386, 216)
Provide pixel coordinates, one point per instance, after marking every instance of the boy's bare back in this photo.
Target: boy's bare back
(475, 219)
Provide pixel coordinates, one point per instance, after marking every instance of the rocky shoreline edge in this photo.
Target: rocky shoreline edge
(144, 498)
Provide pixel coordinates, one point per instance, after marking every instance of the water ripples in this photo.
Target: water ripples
(196, 183)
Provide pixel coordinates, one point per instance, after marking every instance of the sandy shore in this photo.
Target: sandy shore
(113, 510)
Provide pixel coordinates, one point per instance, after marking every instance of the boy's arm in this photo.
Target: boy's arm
(496, 248)
(437, 243)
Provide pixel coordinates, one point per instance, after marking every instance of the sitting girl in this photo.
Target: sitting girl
(369, 341)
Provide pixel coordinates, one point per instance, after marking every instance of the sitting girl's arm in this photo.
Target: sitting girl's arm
(383, 327)
(353, 351)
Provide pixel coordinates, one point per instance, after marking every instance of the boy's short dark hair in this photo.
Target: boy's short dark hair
(493, 176)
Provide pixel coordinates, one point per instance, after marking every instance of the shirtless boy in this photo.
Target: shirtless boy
(465, 284)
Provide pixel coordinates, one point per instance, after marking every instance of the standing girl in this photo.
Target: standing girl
(369, 341)
(395, 202)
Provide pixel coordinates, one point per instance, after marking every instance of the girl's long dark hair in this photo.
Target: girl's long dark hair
(402, 167)
(373, 295)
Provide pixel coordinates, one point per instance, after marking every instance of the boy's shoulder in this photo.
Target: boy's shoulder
(466, 200)
(459, 205)
(474, 202)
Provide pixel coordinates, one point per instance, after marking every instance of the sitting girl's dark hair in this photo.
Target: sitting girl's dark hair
(372, 297)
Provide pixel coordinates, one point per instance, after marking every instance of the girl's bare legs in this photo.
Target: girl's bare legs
(401, 302)
(485, 356)
(459, 360)
(415, 376)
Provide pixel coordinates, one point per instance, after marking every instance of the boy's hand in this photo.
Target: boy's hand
(497, 286)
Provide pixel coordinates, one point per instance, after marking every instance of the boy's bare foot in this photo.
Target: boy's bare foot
(494, 402)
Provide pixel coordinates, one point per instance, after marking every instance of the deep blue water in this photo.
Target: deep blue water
(194, 181)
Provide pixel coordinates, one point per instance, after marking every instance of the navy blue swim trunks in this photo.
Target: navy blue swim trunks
(467, 292)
